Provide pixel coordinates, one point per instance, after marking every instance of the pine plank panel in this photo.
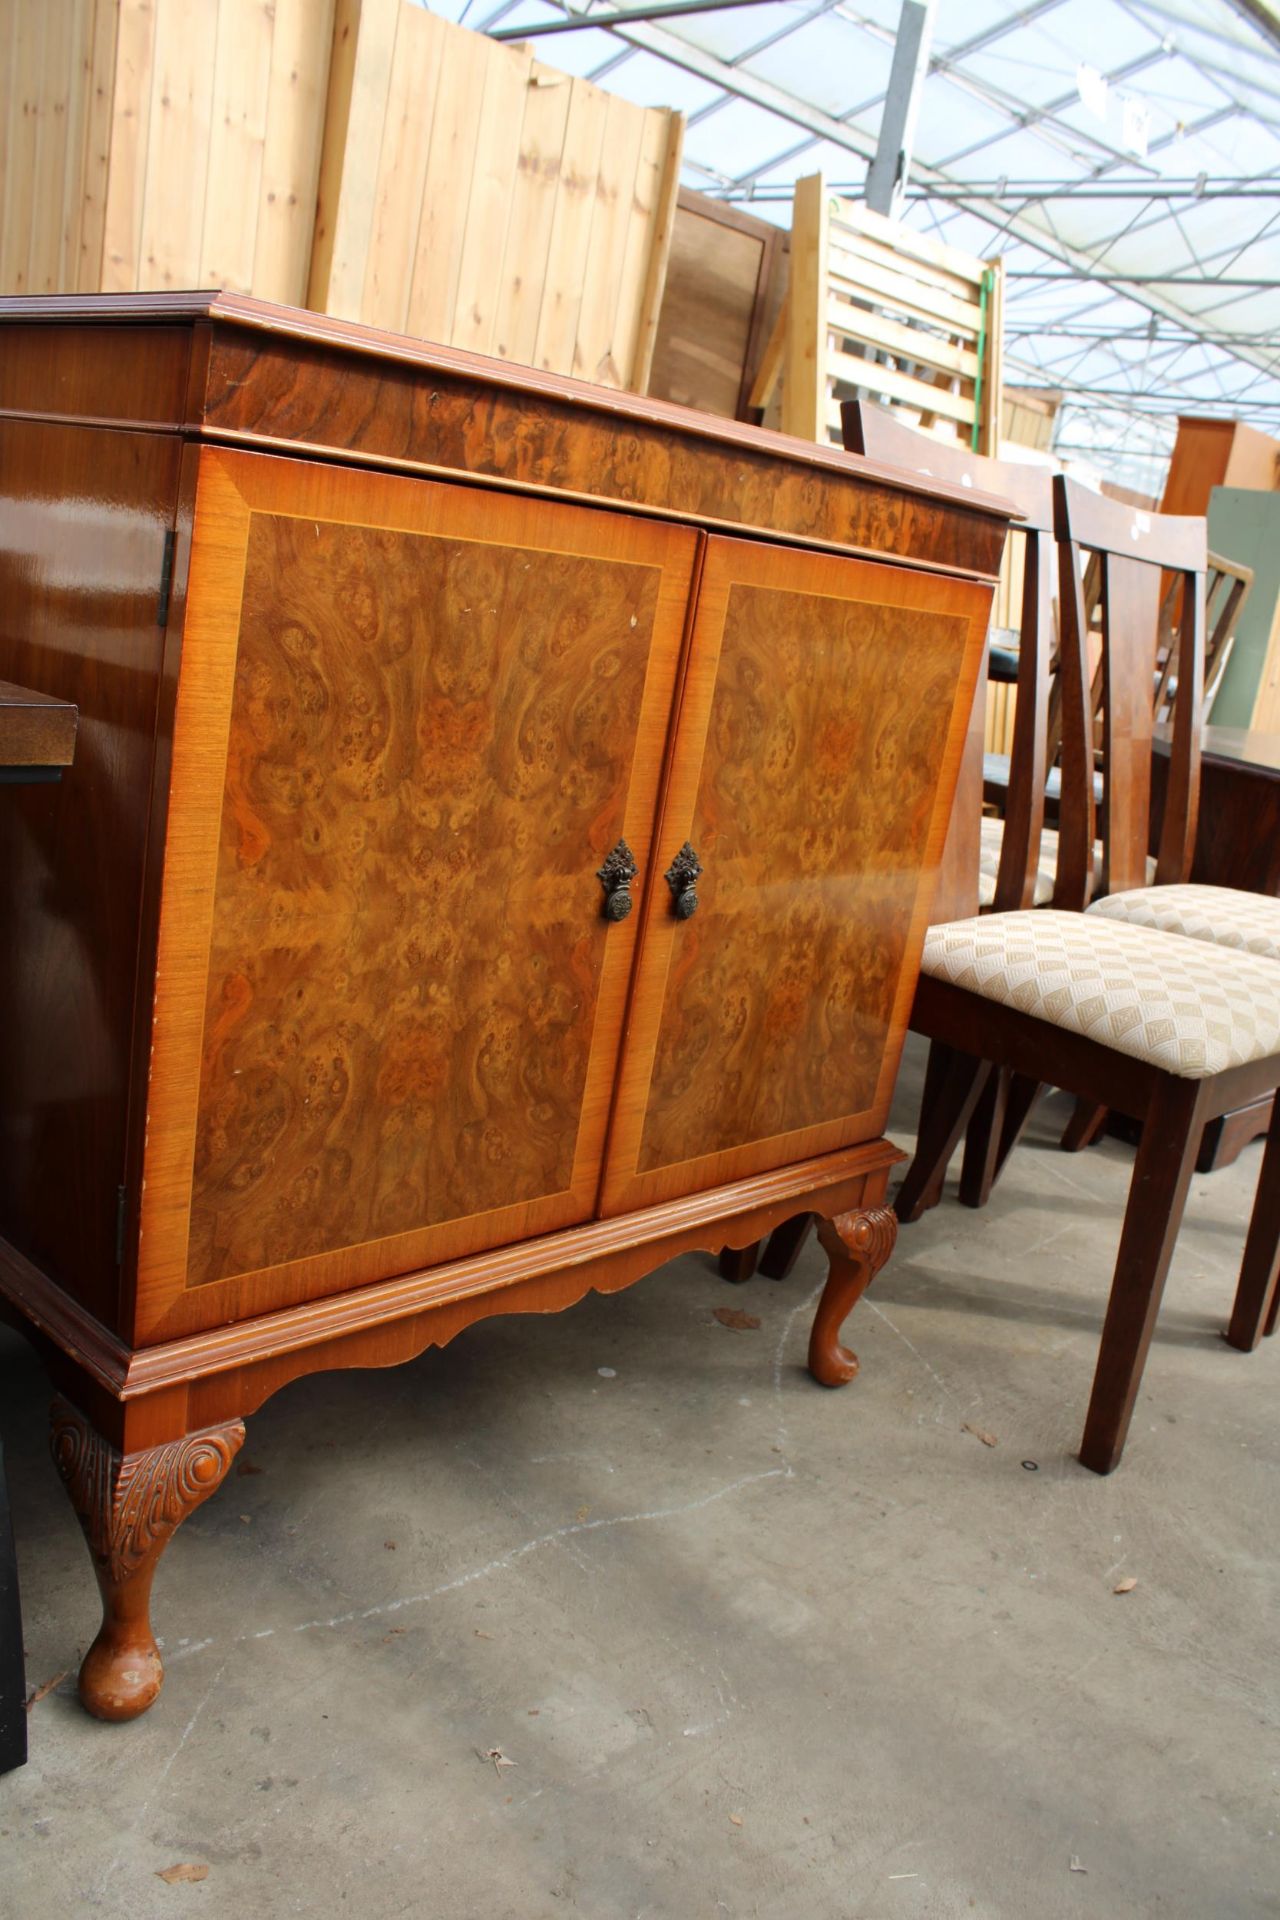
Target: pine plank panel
(178, 149)
(402, 167)
(25, 88)
(447, 189)
(364, 33)
(97, 145)
(79, 64)
(660, 237)
(126, 172)
(506, 86)
(804, 392)
(915, 393)
(874, 329)
(612, 223)
(571, 228)
(238, 132)
(533, 204)
(51, 99)
(297, 86)
(863, 278)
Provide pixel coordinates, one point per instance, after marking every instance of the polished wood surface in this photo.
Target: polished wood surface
(268, 376)
(383, 957)
(83, 520)
(35, 729)
(820, 729)
(369, 724)
(1238, 836)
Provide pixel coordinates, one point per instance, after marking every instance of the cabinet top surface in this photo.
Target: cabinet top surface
(280, 326)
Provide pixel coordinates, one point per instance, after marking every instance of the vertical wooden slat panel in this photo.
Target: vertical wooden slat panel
(359, 77)
(533, 204)
(402, 170)
(447, 188)
(297, 84)
(79, 64)
(804, 391)
(51, 99)
(571, 228)
(129, 143)
(241, 70)
(661, 230)
(100, 107)
(611, 224)
(506, 84)
(24, 86)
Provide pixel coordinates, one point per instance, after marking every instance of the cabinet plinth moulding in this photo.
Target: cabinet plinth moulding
(497, 857)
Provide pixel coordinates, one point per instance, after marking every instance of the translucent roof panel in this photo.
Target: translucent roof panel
(1123, 156)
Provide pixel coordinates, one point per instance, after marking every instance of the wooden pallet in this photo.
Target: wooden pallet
(876, 311)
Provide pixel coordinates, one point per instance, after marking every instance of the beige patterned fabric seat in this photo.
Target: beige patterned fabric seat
(991, 842)
(1224, 916)
(1188, 1009)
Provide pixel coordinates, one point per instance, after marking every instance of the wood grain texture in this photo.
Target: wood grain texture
(816, 751)
(385, 962)
(35, 729)
(84, 515)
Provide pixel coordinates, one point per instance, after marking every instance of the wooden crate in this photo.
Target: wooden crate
(149, 144)
(472, 195)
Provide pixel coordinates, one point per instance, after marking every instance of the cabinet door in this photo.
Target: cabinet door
(815, 755)
(412, 721)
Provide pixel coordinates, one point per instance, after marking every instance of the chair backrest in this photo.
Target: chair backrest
(876, 432)
(1132, 551)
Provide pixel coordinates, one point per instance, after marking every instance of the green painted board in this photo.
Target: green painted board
(1244, 525)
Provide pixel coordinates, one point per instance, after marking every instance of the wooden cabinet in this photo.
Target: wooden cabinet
(497, 858)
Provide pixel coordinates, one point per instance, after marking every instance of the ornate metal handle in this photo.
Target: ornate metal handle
(615, 876)
(682, 878)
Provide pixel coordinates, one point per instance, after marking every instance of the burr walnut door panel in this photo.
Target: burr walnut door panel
(412, 722)
(815, 756)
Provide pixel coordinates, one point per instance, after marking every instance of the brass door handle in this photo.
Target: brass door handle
(682, 878)
(615, 876)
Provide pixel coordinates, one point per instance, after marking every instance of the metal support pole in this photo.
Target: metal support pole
(887, 174)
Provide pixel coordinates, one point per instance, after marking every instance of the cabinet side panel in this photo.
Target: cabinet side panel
(83, 517)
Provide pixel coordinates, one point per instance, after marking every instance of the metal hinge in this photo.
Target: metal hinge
(122, 1209)
(166, 577)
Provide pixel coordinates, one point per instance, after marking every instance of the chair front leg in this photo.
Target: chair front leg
(1258, 1295)
(953, 1085)
(1157, 1196)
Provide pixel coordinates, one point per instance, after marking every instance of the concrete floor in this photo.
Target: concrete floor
(752, 1648)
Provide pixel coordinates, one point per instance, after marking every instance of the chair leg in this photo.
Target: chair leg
(782, 1248)
(982, 1141)
(1023, 1094)
(1157, 1195)
(739, 1263)
(953, 1086)
(1258, 1295)
(1084, 1127)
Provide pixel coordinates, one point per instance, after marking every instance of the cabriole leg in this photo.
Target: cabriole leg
(858, 1244)
(129, 1505)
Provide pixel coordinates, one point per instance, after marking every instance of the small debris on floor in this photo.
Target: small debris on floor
(1125, 1586)
(582, 1513)
(735, 1819)
(1075, 1866)
(42, 1693)
(390, 1545)
(607, 1373)
(980, 1433)
(245, 1467)
(735, 1317)
(185, 1870)
(482, 1635)
(496, 1758)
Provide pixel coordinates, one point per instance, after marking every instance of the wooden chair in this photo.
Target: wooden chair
(1144, 1021)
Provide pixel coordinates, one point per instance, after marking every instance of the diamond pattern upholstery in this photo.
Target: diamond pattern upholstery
(1187, 1008)
(991, 840)
(1224, 916)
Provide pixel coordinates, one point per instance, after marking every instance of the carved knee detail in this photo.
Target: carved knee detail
(858, 1244)
(129, 1505)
